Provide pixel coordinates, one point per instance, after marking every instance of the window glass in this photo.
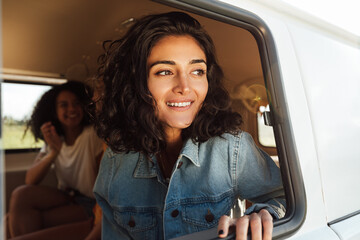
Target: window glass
(266, 133)
(18, 101)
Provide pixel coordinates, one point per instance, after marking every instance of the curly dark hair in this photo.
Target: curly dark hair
(45, 109)
(127, 119)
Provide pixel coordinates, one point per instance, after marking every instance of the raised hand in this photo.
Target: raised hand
(51, 137)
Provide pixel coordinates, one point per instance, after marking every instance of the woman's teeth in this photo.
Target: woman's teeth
(178, 104)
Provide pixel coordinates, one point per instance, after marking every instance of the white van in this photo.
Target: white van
(300, 72)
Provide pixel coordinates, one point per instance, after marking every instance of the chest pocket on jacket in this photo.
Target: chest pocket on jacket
(206, 214)
(140, 223)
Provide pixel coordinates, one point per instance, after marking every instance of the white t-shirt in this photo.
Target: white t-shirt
(75, 166)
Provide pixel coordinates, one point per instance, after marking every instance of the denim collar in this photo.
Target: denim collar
(145, 168)
(191, 151)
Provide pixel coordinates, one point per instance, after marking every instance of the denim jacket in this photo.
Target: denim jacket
(207, 179)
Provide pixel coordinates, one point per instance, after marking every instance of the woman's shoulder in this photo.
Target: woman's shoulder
(230, 137)
(232, 140)
(124, 156)
(89, 130)
(89, 139)
(89, 133)
(124, 162)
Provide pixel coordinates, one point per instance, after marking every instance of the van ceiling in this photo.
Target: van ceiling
(65, 36)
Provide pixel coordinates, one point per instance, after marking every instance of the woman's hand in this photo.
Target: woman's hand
(42, 163)
(261, 225)
(51, 137)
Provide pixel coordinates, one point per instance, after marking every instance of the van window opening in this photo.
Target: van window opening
(18, 101)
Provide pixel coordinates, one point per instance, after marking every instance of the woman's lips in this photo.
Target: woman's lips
(72, 116)
(180, 105)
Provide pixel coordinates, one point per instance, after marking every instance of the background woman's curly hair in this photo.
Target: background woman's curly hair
(127, 120)
(45, 109)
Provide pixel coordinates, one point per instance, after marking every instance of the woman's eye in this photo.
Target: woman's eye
(198, 72)
(163, 73)
(77, 104)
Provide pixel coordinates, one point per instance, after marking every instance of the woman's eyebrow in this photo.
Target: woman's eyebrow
(194, 61)
(169, 62)
(162, 62)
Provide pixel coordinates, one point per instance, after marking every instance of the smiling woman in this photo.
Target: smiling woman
(167, 119)
(73, 149)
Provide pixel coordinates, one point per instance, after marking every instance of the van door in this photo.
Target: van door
(314, 83)
(331, 78)
(241, 17)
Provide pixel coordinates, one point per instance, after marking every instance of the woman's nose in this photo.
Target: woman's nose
(73, 107)
(182, 84)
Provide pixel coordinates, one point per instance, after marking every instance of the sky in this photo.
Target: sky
(343, 13)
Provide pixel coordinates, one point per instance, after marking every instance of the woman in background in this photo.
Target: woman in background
(73, 148)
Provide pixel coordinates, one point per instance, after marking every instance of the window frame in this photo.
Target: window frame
(285, 145)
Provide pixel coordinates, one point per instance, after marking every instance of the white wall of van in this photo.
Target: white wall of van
(320, 68)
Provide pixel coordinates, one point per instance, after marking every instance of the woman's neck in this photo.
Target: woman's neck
(174, 142)
(71, 134)
(169, 156)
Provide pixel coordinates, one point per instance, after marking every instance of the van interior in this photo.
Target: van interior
(47, 42)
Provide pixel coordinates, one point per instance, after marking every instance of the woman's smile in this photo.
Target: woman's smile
(179, 105)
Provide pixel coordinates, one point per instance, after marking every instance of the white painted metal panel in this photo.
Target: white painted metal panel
(315, 224)
(348, 229)
(321, 77)
(331, 77)
(324, 233)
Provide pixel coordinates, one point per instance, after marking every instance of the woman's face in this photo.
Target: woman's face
(177, 80)
(69, 110)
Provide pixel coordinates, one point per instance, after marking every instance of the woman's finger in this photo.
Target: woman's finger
(255, 226)
(242, 226)
(46, 128)
(223, 227)
(52, 130)
(45, 125)
(267, 224)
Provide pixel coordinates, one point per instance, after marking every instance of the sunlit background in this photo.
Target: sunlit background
(342, 13)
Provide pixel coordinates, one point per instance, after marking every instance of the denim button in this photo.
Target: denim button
(175, 213)
(209, 217)
(131, 223)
